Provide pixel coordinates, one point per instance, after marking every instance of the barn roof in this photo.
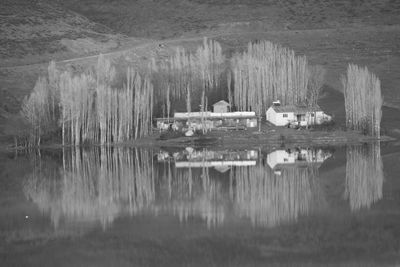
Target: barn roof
(295, 109)
(221, 103)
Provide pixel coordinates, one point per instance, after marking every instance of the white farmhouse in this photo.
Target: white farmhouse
(282, 115)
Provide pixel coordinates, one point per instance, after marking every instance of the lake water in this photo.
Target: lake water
(287, 206)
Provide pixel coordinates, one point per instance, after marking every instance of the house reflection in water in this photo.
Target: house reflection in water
(221, 160)
(297, 157)
(268, 192)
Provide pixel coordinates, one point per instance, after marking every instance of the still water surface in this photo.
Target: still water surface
(207, 206)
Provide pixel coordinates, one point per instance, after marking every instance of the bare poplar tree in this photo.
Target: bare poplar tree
(315, 83)
(267, 72)
(363, 100)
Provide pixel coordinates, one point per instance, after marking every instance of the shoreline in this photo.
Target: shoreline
(236, 139)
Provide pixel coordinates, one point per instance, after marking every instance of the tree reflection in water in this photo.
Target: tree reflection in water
(364, 175)
(93, 185)
(97, 185)
(191, 193)
(271, 198)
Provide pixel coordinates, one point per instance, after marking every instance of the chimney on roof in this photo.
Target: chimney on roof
(276, 103)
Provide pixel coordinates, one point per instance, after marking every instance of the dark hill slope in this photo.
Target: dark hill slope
(170, 18)
(36, 31)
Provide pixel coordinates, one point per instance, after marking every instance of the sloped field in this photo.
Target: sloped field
(171, 18)
(32, 31)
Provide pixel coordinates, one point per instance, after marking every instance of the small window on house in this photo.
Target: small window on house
(285, 115)
(285, 160)
(312, 114)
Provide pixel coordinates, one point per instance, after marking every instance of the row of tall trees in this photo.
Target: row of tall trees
(267, 72)
(87, 106)
(187, 75)
(363, 100)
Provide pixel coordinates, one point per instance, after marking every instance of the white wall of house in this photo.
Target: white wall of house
(279, 119)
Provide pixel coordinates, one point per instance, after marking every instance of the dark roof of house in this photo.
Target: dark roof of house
(295, 108)
(222, 103)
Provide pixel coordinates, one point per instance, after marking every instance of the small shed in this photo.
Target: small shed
(221, 107)
(282, 115)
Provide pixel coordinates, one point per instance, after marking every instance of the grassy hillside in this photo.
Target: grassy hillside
(34, 31)
(332, 33)
(170, 18)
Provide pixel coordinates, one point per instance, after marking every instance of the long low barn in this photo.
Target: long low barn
(210, 120)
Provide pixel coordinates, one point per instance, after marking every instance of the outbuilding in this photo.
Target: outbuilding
(221, 107)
